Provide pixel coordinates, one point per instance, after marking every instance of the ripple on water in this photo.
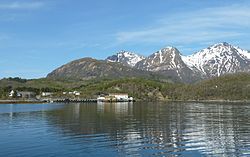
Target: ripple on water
(140, 129)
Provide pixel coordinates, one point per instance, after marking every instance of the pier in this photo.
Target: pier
(74, 100)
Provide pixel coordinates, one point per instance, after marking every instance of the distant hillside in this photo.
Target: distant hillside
(88, 68)
(139, 88)
(226, 87)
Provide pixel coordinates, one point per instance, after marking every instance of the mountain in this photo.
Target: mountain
(168, 61)
(126, 58)
(88, 68)
(219, 59)
(214, 61)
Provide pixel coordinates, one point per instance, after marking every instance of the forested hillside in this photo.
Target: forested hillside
(226, 87)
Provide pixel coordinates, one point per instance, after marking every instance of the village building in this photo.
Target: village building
(44, 94)
(22, 94)
(101, 99)
(119, 96)
(76, 93)
(115, 97)
(11, 94)
(26, 94)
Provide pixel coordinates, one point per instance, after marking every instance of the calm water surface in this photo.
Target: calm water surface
(139, 129)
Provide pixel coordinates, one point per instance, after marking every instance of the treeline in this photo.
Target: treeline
(228, 87)
(141, 89)
(17, 79)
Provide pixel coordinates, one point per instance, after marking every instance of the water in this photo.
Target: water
(139, 129)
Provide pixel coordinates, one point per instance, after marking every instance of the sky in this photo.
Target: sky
(37, 36)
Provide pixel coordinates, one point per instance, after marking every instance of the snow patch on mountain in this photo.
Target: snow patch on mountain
(215, 60)
(218, 59)
(244, 53)
(126, 58)
(162, 59)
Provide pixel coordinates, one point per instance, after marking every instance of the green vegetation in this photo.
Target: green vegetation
(139, 88)
(227, 87)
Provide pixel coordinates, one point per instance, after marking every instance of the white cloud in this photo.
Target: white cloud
(21, 5)
(206, 25)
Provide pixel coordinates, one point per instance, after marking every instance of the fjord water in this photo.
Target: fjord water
(124, 129)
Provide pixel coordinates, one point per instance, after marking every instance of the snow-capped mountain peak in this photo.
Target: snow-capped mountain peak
(218, 59)
(161, 54)
(167, 61)
(166, 56)
(126, 58)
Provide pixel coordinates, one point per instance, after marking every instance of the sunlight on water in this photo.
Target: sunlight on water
(125, 129)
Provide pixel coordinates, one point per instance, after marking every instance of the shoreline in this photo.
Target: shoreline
(20, 101)
(211, 101)
(190, 101)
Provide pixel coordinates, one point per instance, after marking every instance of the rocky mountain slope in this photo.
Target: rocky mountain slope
(168, 62)
(126, 58)
(216, 60)
(88, 68)
(219, 59)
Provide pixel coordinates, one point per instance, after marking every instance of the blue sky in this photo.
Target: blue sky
(37, 36)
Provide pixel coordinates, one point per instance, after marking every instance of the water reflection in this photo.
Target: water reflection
(158, 129)
(137, 129)
(120, 108)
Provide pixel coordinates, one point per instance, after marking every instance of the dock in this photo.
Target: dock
(74, 100)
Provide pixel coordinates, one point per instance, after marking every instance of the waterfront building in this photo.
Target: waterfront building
(44, 94)
(115, 97)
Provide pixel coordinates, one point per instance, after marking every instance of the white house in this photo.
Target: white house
(101, 99)
(77, 93)
(115, 97)
(11, 94)
(47, 93)
(119, 96)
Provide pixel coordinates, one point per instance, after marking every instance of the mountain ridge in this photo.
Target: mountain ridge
(219, 59)
(89, 68)
(126, 58)
(168, 61)
(213, 61)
